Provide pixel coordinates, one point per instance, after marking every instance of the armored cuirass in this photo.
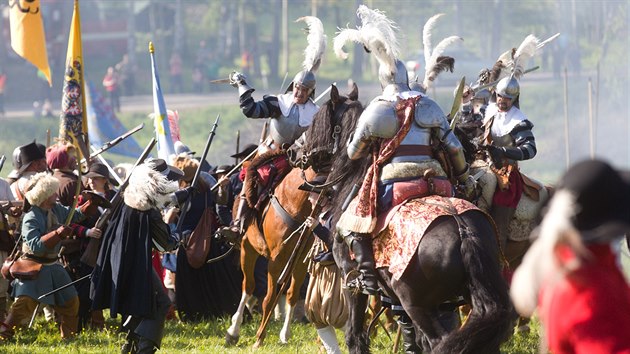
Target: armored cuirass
(286, 129)
(504, 141)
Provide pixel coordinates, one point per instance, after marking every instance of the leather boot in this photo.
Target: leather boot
(146, 346)
(502, 217)
(233, 232)
(409, 338)
(361, 246)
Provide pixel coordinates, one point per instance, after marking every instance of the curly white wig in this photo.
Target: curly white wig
(40, 187)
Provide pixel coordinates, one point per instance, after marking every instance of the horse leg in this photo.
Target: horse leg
(248, 261)
(273, 272)
(357, 338)
(293, 295)
(329, 339)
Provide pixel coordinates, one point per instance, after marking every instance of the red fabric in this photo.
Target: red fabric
(588, 310)
(241, 175)
(368, 194)
(57, 156)
(157, 264)
(272, 169)
(511, 196)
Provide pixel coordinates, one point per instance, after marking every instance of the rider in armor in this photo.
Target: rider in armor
(292, 112)
(508, 137)
(412, 138)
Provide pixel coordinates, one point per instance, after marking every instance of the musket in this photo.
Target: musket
(2, 160)
(238, 143)
(110, 144)
(109, 168)
(284, 280)
(91, 250)
(235, 168)
(184, 208)
(30, 324)
(263, 132)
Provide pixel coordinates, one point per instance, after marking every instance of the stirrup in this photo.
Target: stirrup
(355, 282)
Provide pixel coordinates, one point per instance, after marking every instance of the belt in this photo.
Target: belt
(413, 150)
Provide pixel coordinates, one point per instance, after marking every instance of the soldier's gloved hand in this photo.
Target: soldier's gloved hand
(496, 154)
(237, 79)
(64, 231)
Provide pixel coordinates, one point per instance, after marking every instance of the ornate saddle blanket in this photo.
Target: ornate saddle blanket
(400, 231)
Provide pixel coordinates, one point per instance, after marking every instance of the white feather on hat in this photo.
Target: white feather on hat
(148, 188)
(40, 187)
(431, 55)
(316, 40)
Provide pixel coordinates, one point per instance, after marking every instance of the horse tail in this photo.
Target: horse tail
(492, 314)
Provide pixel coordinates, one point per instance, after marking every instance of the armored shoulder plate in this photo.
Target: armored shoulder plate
(429, 114)
(380, 119)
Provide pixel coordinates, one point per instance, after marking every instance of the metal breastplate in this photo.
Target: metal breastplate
(416, 136)
(287, 129)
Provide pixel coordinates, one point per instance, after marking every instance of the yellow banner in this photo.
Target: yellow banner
(27, 33)
(73, 108)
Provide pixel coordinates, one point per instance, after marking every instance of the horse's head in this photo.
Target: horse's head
(332, 126)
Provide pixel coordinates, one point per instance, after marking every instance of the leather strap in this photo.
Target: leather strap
(413, 150)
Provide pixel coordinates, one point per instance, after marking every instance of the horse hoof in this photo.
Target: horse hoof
(230, 339)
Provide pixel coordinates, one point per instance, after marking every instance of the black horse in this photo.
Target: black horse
(457, 257)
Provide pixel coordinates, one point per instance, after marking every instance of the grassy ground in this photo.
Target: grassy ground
(208, 338)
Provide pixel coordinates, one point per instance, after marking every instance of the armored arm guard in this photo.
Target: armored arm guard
(378, 120)
(525, 144)
(455, 151)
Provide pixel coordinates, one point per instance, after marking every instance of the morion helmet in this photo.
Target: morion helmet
(508, 87)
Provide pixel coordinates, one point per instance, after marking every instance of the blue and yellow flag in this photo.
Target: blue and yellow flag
(105, 126)
(73, 115)
(27, 33)
(165, 144)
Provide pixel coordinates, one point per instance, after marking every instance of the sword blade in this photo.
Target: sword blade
(220, 81)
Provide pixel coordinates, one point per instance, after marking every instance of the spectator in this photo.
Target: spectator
(570, 272)
(127, 78)
(3, 82)
(111, 84)
(176, 73)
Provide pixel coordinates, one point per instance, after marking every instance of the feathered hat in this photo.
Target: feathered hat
(313, 53)
(514, 61)
(151, 184)
(377, 34)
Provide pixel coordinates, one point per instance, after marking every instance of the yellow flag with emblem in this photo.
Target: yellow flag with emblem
(27, 33)
(73, 109)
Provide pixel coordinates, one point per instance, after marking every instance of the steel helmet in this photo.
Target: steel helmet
(305, 78)
(399, 78)
(508, 87)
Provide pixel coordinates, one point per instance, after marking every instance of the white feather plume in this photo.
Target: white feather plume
(426, 36)
(316, 43)
(377, 34)
(523, 53)
(437, 52)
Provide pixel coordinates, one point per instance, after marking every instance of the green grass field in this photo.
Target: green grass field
(209, 338)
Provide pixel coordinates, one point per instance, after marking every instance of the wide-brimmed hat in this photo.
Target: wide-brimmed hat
(246, 151)
(98, 169)
(601, 200)
(181, 148)
(28, 154)
(171, 172)
(222, 169)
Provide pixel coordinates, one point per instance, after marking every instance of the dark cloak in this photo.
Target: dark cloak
(121, 280)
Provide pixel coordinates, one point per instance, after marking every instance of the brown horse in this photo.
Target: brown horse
(457, 257)
(276, 226)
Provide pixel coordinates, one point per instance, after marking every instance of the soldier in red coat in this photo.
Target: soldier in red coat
(571, 273)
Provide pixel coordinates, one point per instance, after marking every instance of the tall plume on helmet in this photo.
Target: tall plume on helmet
(316, 40)
(514, 61)
(377, 34)
(435, 62)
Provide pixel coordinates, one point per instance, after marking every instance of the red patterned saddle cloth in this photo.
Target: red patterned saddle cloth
(400, 230)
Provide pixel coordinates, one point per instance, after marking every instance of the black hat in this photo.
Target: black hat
(171, 172)
(28, 154)
(246, 151)
(223, 169)
(602, 199)
(98, 169)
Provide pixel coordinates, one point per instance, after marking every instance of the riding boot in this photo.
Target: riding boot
(146, 346)
(361, 246)
(502, 217)
(409, 338)
(233, 232)
(131, 343)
